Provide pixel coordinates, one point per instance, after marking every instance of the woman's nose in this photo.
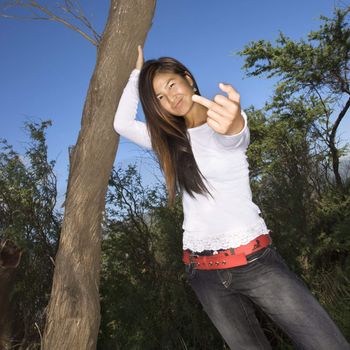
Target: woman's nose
(168, 97)
(171, 96)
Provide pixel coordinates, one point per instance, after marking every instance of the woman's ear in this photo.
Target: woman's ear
(189, 79)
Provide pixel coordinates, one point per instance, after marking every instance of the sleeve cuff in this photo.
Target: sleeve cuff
(240, 140)
(135, 73)
(242, 131)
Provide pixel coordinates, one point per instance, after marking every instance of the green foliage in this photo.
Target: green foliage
(321, 62)
(146, 302)
(315, 70)
(28, 217)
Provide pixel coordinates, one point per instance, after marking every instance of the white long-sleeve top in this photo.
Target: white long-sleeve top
(230, 218)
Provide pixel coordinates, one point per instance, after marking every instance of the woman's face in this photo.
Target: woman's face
(174, 92)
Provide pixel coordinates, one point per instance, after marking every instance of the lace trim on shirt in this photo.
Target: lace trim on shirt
(194, 241)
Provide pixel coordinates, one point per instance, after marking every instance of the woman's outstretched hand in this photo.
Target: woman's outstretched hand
(224, 113)
(139, 62)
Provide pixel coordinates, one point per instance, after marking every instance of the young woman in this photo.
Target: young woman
(230, 263)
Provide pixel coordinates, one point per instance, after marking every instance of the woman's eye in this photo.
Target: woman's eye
(160, 97)
(171, 85)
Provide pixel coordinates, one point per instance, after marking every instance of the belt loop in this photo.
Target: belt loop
(192, 256)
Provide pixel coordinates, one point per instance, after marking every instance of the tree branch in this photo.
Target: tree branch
(334, 150)
(69, 8)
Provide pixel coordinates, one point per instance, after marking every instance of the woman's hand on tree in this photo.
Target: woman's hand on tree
(139, 62)
(224, 113)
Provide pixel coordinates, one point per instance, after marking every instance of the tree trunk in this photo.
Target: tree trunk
(333, 148)
(73, 314)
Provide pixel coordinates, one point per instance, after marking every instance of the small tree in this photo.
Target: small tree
(317, 68)
(28, 190)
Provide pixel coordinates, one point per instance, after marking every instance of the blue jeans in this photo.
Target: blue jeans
(228, 295)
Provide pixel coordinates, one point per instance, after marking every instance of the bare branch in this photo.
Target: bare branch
(71, 9)
(80, 16)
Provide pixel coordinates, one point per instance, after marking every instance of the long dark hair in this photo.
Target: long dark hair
(168, 133)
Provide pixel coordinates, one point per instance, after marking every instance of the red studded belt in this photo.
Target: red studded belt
(225, 259)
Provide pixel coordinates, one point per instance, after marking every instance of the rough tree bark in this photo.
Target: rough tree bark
(73, 314)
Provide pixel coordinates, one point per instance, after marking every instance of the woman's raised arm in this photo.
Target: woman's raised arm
(125, 123)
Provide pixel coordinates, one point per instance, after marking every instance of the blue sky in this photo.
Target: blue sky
(46, 68)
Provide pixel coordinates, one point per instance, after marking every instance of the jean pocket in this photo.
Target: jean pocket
(225, 277)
